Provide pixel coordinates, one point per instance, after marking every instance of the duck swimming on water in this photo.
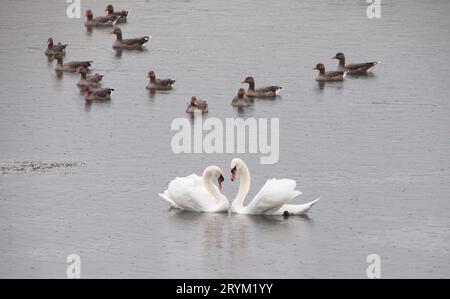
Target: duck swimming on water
(241, 99)
(129, 43)
(328, 76)
(97, 94)
(100, 21)
(120, 15)
(197, 105)
(158, 84)
(52, 49)
(261, 92)
(85, 81)
(71, 66)
(354, 69)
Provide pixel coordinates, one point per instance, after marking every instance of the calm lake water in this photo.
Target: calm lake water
(84, 179)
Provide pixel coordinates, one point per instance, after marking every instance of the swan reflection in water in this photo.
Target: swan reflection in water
(222, 243)
(234, 234)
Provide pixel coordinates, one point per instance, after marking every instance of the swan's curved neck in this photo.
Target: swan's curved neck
(207, 181)
(244, 187)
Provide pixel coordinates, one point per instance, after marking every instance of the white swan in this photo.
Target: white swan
(199, 194)
(271, 199)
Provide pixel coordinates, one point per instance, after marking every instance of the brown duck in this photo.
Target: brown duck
(101, 21)
(121, 16)
(130, 43)
(197, 104)
(97, 94)
(158, 84)
(261, 92)
(241, 100)
(328, 76)
(85, 81)
(69, 66)
(52, 49)
(355, 69)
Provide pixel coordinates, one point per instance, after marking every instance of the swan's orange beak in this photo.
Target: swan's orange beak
(243, 81)
(86, 93)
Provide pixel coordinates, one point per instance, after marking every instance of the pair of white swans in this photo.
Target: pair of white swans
(199, 194)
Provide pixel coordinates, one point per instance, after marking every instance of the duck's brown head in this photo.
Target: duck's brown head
(109, 8)
(89, 14)
(194, 101)
(339, 56)
(241, 93)
(320, 67)
(248, 80)
(116, 31)
(50, 42)
(151, 75)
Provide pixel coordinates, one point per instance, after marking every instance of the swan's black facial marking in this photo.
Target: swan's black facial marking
(233, 173)
(220, 180)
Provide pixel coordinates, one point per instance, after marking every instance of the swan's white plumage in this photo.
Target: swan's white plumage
(189, 193)
(172, 204)
(272, 196)
(296, 209)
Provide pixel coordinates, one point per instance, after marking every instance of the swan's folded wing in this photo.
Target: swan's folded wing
(189, 193)
(272, 196)
(166, 197)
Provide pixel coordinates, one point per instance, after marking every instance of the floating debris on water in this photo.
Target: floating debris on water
(28, 167)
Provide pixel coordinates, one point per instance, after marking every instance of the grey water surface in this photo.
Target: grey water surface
(84, 179)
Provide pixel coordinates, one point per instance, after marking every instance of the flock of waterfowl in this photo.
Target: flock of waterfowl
(91, 85)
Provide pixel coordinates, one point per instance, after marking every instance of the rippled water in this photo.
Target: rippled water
(375, 149)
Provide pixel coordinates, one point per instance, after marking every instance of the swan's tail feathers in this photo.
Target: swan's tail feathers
(313, 202)
(302, 209)
(166, 197)
(308, 206)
